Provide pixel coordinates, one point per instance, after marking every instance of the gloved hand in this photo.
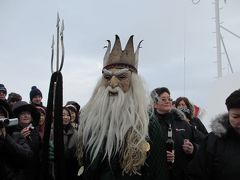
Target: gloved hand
(51, 150)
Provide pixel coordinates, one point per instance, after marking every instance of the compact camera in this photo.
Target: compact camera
(30, 127)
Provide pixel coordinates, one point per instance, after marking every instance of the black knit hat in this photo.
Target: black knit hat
(233, 100)
(158, 91)
(21, 106)
(2, 88)
(34, 92)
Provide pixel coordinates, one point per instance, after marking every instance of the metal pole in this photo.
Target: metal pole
(218, 40)
(184, 52)
(58, 20)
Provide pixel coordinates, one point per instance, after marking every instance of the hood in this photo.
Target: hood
(220, 125)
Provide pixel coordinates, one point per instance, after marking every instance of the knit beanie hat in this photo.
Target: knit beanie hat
(34, 92)
(233, 100)
(2, 88)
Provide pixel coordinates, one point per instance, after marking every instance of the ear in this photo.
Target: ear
(155, 105)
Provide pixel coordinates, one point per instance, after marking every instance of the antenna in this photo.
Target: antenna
(218, 40)
(184, 52)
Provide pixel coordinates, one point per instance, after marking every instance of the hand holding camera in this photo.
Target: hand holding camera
(27, 130)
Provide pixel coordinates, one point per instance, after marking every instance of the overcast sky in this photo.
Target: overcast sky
(171, 30)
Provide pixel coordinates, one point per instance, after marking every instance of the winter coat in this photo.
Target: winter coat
(33, 170)
(218, 156)
(70, 145)
(181, 129)
(197, 124)
(15, 154)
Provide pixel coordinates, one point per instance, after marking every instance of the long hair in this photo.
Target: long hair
(188, 104)
(116, 124)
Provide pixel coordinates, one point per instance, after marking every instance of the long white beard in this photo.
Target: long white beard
(106, 120)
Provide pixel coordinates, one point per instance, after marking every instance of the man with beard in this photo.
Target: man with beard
(113, 132)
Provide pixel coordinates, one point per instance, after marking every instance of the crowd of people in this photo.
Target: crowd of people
(22, 127)
(121, 132)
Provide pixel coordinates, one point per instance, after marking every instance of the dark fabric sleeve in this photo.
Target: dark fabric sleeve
(17, 148)
(200, 126)
(156, 163)
(200, 166)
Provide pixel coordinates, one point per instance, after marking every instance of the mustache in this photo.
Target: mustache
(113, 91)
(116, 89)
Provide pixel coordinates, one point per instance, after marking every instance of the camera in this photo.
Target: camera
(30, 127)
(5, 122)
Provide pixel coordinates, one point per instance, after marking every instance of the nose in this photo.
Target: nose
(114, 82)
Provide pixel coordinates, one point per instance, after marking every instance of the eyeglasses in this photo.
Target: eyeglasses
(164, 100)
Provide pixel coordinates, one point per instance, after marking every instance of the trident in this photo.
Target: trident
(62, 45)
(53, 134)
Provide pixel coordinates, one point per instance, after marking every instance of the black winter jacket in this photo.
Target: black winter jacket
(14, 156)
(33, 170)
(181, 130)
(218, 156)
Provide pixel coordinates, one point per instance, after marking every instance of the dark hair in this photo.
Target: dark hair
(67, 109)
(73, 108)
(14, 97)
(157, 92)
(187, 102)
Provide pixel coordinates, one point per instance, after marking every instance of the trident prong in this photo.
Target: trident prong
(58, 20)
(59, 35)
(52, 47)
(62, 45)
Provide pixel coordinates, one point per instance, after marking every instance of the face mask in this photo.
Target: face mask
(186, 111)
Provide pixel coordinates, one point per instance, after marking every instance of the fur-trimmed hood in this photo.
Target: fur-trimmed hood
(220, 125)
(180, 114)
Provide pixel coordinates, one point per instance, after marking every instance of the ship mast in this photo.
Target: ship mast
(218, 40)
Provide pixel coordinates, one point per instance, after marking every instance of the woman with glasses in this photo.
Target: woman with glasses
(166, 117)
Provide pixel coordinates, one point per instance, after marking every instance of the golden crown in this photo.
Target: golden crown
(121, 58)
